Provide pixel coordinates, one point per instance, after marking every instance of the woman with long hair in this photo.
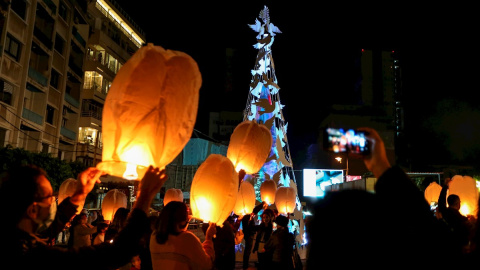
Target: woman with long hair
(172, 246)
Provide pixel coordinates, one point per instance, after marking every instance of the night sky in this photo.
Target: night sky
(313, 62)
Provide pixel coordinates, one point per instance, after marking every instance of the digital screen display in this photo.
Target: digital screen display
(315, 181)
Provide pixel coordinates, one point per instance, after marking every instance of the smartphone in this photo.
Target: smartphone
(340, 140)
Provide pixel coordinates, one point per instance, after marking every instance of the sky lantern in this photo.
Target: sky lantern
(268, 190)
(465, 188)
(285, 200)
(432, 192)
(66, 189)
(173, 194)
(113, 200)
(249, 146)
(245, 199)
(149, 112)
(214, 190)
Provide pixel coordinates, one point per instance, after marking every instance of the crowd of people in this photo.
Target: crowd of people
(393, 227)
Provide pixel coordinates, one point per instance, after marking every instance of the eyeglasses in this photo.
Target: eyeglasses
(50, 199)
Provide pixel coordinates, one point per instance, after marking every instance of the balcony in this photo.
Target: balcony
(72, 100)
(68, 133)
(37, 76)
(32, 116)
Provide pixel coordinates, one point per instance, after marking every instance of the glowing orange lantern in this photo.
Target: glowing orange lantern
(173, 194)
(245, 199)
(465, 188)
(214, 190)
(150, 111)
(66, 189)
(432, 192)
(267, 191)
(113, 200)
(249, 146)
(285, 200)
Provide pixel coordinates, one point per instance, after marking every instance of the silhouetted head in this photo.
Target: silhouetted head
(173, 219)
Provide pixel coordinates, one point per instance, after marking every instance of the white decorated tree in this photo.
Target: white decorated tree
(263, 105)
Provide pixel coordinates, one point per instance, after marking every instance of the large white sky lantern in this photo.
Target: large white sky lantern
(285, 200)
(245, 199)
(249, 146)
(173, 194)
(465, 188)
(267, 191)
(150, 111)
(432, 192)
(66, 189)
(113, 200)
(214, 190)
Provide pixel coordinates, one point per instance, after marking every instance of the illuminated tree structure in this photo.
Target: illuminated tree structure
(263, 105)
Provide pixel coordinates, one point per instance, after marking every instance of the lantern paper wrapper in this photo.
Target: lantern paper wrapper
(432, 192)
(66, 189)
(465, 188)
(245, 199)
(249, 146)
(150, 110)
(214, 190)
(285, 200)
(173, 194)
(113, 200)
(267, 191)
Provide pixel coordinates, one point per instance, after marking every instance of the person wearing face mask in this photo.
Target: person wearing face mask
(26, 199)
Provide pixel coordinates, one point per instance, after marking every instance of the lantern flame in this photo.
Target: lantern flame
(267, 200)
(205, 208)
(130, 172)
(138, 154)
(464, 209)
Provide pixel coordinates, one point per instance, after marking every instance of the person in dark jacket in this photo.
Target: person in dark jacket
(224, 246)
(391, 228)
(460, 225)
(264, 231)
(26, 198)
(280, 245)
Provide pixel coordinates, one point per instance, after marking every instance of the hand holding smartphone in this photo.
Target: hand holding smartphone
(339, 140)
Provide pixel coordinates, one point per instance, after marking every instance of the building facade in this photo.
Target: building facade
(58, 60)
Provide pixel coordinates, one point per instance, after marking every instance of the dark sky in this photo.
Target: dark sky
(312, 56)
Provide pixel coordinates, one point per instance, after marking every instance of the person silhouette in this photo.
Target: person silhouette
(22, 243)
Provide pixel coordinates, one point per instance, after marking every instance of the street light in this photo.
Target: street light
(339, 159)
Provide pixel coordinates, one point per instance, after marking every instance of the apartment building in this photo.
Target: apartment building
(58, 60)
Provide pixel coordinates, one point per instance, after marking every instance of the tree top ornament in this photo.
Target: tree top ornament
(267, 26)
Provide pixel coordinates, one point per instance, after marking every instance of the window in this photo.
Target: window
(6, 92)
(12, 47)
(20, 7)
(54, 78)
(63, 11)
(50, 114)
(59, 44)
(45, 147)
(3, 136)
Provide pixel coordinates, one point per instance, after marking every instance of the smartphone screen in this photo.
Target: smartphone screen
(339, 140)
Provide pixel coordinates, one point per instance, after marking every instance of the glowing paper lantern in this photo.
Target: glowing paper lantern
(173, 194)
(285, 199)
(66, 189)
(150, 111)
(249, 146)
(268, 190)
(465, 188)
(432, 192)
(214, 190)
(245, 199)
(113, 200)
